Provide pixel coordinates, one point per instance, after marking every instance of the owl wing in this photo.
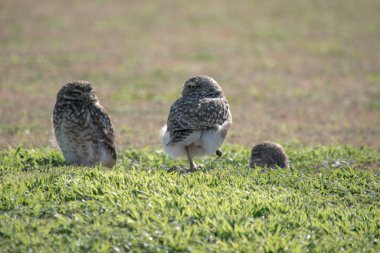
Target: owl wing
(105, 130)
(187, 115)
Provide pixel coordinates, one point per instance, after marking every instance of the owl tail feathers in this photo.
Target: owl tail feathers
(175, 151)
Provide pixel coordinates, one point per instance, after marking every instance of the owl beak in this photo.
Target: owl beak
(91, 98)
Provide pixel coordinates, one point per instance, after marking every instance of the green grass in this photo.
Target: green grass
(295, 72)
(327, 202)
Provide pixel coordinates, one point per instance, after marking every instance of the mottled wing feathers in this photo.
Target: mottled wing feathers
(106, 133)
(188, 114)
(179, 136)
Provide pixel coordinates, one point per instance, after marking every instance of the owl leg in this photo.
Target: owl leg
(191, 162)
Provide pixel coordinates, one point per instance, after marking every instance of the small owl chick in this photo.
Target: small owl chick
(82, 126)
(198, 122)
(268, 154)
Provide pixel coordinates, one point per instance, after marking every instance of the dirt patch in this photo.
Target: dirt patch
(305, 73)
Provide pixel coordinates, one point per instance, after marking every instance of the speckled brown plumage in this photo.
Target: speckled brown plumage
(268, 154)
(198, 122)
(82, 126)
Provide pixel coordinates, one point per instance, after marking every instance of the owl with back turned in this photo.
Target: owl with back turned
(198, 121)
(82, 126)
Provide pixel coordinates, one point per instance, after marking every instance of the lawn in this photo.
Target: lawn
(327, 202)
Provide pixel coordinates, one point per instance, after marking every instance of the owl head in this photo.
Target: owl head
(269, 154)
(77, 92)
(203, 86)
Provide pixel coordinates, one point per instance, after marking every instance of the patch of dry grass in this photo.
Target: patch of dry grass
(294, 71)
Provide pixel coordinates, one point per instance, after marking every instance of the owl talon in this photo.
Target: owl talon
(174, 169)
(192, 170)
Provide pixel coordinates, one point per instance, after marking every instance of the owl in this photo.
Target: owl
(82, 126)
(198, 121)
(268, 154)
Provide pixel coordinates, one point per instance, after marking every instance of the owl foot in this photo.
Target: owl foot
(192, 170)
(175, 169)
(219, 153)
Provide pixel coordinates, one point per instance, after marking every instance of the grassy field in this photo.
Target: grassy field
(294, 71)
(302, 73)
(327, 202)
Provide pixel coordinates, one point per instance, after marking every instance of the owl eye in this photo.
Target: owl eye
(75, 93)
(192, 87)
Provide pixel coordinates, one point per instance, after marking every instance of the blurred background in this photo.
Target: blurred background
(295, 72)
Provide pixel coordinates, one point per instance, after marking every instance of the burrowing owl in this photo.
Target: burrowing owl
(82, 127)
(198, 122)
(269, 154)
